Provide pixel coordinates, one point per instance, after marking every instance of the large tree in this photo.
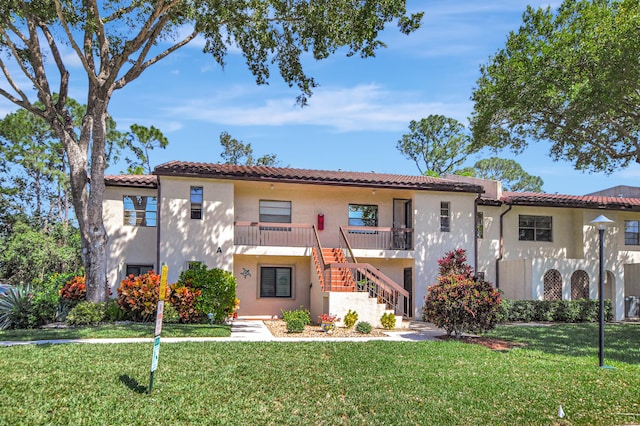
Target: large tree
(509, 172)
(237, 152)
(571, 77)
(117, 41)
(437, 144)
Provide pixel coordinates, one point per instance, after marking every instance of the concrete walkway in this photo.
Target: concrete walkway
(243, 330)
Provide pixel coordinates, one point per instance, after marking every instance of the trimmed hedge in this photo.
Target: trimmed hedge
(583, 310)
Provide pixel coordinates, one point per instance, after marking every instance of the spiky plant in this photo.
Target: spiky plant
(15, 307)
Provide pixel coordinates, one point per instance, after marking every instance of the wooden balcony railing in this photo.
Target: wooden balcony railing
(369, 237)
(274, 234)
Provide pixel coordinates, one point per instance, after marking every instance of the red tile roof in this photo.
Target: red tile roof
(320, 177)
(575, 201)
(136, 181)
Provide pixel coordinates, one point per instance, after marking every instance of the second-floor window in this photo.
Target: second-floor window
(535, 228)
(140, 210)
(632, 232)
(195, 197)
(479, 225)
(363, 215)
(275, 211)
(445, 216)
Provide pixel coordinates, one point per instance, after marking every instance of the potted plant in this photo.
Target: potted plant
(328, 322)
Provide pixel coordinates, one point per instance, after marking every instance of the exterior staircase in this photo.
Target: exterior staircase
(340, 279)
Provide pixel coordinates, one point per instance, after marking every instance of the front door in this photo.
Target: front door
(408, 285)
(402, 219)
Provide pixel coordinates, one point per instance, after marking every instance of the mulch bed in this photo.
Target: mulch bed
(279, 329)
(487, 342)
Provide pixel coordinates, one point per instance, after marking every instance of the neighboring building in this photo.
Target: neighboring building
(328, 240)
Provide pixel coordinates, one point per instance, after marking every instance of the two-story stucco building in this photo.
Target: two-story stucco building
(332, 241)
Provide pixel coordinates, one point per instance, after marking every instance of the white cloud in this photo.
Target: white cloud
(363, 107)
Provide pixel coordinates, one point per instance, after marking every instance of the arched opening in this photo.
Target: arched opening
(579, 285)
(552, 285)
(609, 286)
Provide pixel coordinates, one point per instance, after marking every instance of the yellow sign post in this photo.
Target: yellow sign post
(162, 295)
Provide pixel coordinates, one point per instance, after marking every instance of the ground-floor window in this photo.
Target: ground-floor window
(275, 281)
(136, 270)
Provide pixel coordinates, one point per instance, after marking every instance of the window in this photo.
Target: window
(632, 232)
(479, 225)
(275, 211)
(445, 216)
(194, 264)
(136, 270)
(275, 282)
(196, 202)
(534, 228)
(140, 210)
(363, 215)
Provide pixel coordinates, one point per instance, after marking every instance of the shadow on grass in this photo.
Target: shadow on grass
(132, 383)
(620, 340)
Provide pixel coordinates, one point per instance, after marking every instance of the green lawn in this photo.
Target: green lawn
(115, 331)
(378, 382)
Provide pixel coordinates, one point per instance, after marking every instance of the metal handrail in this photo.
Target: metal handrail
(345, 240)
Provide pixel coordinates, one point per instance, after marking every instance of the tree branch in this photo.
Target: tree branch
(89, 69)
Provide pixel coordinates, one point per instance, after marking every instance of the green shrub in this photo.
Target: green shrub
(301, 314)
(583, 310)
(217, 287)
(170, 314)
(113, 311)
(16, 307)
(295, 325)
(350, 319)
(87, 313)
(364, 327)
(388, 321)
(46, 299)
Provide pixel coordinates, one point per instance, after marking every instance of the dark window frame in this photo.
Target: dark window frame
(363, 221)
(479, 225)
(632, 238)
(445, 216)
(264, 216)
(137, 269)
(533, 228)
(140, 217)
(196, 202)
(273, 293)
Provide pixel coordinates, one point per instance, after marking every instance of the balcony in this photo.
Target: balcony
(379, 238)
(274, 234)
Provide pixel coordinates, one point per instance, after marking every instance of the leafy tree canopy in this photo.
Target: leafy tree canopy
(571, 77)
(437, 144)
(236, 152)
(117, 41)
(509, 172)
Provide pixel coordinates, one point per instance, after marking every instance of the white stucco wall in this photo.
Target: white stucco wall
(183, 239)
(431, 244)
(133, 245)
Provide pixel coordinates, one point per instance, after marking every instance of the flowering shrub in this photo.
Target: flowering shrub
(74, 289)
(138, 296)
(327, 319)
(183, 299)
(453, 262)
(457, 303)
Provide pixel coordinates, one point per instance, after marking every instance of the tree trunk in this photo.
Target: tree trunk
(87, 196)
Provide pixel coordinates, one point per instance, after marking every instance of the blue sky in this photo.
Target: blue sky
(359, 112)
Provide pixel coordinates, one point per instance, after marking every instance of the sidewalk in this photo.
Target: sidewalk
(256, 331)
